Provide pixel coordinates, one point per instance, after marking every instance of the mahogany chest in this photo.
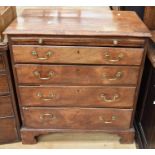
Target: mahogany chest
(77, 71)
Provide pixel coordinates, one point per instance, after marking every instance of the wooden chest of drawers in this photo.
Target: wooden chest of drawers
(9, 123)
(78, 74)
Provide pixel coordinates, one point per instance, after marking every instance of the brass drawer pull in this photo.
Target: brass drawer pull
(25, 108)
(117, 76)
(113, 99)
(113, 118)
(38, 75)
(48, 98)
(115, 42)
(48, 55)
(108, 57)
(47, 116)
(108, 122)
(40, 41)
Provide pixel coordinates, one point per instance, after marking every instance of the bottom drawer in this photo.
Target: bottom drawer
(77, 118)
(8, 132)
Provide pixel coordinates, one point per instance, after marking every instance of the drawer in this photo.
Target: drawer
(77, 55)
(2, 63)
(76, 75)
(4, 87)
(8, 130)
(5, 106)
(77, 96)
(76, 118)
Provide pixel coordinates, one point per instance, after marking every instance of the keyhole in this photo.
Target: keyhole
(78, 52)
(78, 90)
(78, 70)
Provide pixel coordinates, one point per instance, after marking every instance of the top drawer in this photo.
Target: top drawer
(77, 55)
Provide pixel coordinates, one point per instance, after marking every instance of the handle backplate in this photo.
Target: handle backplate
(48, 116)
(108, 57)
(113, 118)
(50, 97)
(115, 77)
(38, 75)
(109, 100)
(47, 55)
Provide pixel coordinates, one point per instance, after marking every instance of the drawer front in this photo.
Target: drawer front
(2, 63)
(4, 88)
(79, 75)
(5, 106)
(77, 96)
(77, 55)
(8, 130)
(77, 118)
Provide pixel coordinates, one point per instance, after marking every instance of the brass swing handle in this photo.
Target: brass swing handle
(47, 116)
(117, 76)
(108, 57)
(38, 75)
(113, 118)
(48, 55)
(113, 99)
(48, 98)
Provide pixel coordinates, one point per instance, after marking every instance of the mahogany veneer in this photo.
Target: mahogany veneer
(76, 96)
(77, 55)
(77, 72)
(77, 118)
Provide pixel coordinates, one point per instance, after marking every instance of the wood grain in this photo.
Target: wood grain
(76, 75)
(77, 55)
(5, 106)
(81, 23)
(4, 88)
(2, 64)
(77, 96)
(76, 118)
(8, 130)
(64, 32)
(78, 41)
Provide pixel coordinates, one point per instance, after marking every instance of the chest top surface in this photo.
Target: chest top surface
(79, 22)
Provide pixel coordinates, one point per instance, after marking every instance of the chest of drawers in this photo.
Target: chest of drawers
(77, 73)
(9, 122)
